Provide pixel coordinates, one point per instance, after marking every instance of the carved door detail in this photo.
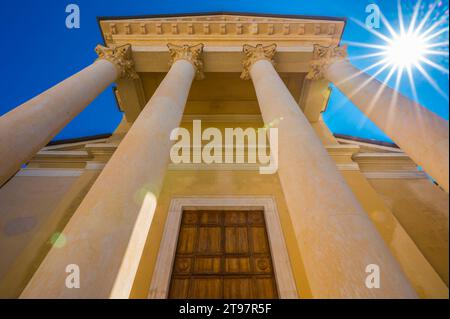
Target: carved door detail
(223, 254)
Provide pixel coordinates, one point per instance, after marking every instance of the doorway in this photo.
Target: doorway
(223, 254)
(161, 281)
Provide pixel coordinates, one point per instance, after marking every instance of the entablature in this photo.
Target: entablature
(222, 29)
(223, 36)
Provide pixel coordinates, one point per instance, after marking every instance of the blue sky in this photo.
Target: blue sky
(38, 51)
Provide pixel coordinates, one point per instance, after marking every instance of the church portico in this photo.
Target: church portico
(229, 71)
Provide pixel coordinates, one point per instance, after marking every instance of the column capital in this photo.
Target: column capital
(323, 57)
(255, 53)
(190, 53)
(120, 56)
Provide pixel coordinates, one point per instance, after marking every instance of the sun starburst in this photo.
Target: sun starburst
(406, 49)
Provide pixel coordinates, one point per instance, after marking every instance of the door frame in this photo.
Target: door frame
(160, 284)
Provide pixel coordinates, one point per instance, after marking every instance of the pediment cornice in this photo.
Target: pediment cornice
(221, 27)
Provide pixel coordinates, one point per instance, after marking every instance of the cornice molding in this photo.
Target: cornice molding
(50, 172)
(381, 165)
(223, 118)
(388, 166)
(221, 25)
(240, 167)
(395, 175)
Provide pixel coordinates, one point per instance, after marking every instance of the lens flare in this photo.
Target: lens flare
(58, 240)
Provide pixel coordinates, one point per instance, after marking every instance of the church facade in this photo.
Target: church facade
(141, 213)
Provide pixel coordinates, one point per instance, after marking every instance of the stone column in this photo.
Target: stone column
(30, 126)
(420, 133)
(106, 235)
(336, 238)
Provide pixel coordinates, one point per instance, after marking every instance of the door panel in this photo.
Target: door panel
(259, 240)
(206, 287)
(235, 265)
(236, 240)
(209, 240)
(238, 288)
(264, 288)
(209, 265)
(223, 254)
(187, 239)
(179, 288)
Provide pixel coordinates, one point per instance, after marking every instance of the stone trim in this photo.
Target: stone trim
(395, 175)
(49, 172)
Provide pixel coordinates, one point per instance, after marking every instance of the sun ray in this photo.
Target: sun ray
(394, 97)
(414, 17)
(364, 45)
(398, 79)
(366, 56)
(412, 83)
(434, 35)
(371, 30)
(378, 94)
(400, 17)
(434, 65)
(367, 82)
(388, 26)
(439, 22)
(365, 70)
(437, 44)
(425, 19)
(436, 52)
(414, 92)
(431, 81)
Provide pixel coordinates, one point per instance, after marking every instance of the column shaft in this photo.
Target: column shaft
(336, 238)
(29, 127)
(420, 133)
(107, 233)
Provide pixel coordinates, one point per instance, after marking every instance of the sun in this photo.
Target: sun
(406, 51)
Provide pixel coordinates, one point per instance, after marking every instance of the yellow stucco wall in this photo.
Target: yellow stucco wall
(32, 209)
(422, 209)
(417, 269)
(26, 204)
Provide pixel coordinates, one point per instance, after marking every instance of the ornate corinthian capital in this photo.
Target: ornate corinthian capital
(191, 53)
(253, 54)
(323, 57)
(120, 56)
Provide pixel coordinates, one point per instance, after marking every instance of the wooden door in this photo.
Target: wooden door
(223, 254)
